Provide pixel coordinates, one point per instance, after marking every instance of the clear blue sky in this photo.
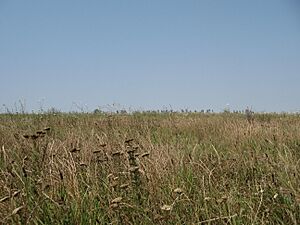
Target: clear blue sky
(150, 54)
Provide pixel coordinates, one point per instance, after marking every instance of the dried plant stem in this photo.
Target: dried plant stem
(218, 218)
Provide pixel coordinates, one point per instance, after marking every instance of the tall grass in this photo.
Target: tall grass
(149, 168)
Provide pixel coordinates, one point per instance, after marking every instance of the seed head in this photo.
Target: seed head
(116, 153)
(133, 169)
(4, 199)
(40, 132)
(178, 191)
(166, 208)
(116, 200)
(145, 154)
(75, 150)
(123, 186)
(16, 210)
(128, 141)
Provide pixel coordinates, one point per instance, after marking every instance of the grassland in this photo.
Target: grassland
(170, 168)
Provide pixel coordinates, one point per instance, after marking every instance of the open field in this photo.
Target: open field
(149, 169)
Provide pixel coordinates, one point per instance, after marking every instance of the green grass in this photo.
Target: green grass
(81, 171)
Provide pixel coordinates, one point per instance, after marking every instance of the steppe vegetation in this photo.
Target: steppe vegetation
(149, 168)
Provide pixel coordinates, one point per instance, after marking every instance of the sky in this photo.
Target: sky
(150, 54)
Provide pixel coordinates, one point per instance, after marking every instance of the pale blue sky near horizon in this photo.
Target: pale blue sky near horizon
(195, 54)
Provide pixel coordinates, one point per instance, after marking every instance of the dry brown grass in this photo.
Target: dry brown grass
(149, 169)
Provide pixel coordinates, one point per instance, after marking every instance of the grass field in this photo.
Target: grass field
(149, 168)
